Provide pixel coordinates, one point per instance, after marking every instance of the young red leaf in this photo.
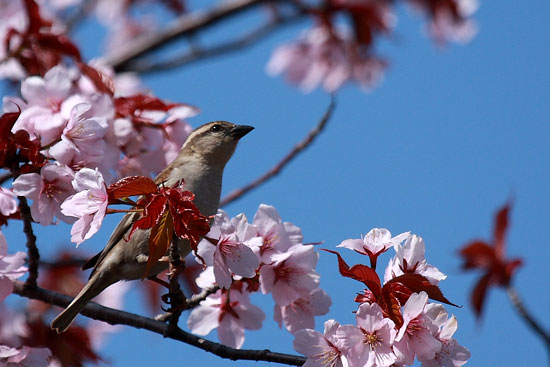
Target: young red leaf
(477, 298)
(477, 254)
(359, 272)
(154, 209)
(417, 283)
(59, 44)
(159, 240)
(501, 225)
(130, 186)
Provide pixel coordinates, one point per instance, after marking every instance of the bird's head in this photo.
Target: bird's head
(215, 141)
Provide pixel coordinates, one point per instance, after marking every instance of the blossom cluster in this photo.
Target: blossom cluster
(332, 53)
(395, 324)
(267, 255)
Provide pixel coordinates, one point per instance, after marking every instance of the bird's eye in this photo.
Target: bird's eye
(216, 128)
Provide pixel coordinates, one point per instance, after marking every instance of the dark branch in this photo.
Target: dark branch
(116, 317)
(528, 318)
(187, 24)
(32, 250)
(198, 54)
(275, 170)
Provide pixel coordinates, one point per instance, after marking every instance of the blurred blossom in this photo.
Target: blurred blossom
(8, 204)
(12, 15)
(11, 268)
(326, 57)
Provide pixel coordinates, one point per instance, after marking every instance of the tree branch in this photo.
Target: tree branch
(528, 318)
(199, 54)
(114, 317)
(184, 25)
(32, 250)
(275, 170)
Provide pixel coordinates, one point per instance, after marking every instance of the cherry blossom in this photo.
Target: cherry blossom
(230, 311)
(230, 253)
(12, 16)
(415, 337)
(290, 275)
(47, 190)
(322, 350)
(370, 342)
(8, 204)
(327, 57)
(45, 96)
(278, 236)
(409, 258)
(376, 242)
(300, 313)
(451, 354)
(89, 204)
(82, 137)
(11, 268)
(24, 356)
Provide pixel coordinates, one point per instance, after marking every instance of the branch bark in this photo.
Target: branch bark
(114, 317)
(187, 24)
(199, 54)
(32, 250)
(277, 168)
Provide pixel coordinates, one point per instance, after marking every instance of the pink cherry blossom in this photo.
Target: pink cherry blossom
(300, 313)
(322, 350)
(230, 311)
(370, 342)
(415, 337)
(409, 258)
(45, 96)
(12, 15)
(277, 236)
(230, 254)
(8, 204)
(325, 57)
(11, 268)
(47, 190)
(290, 275)
(89, 204)
(451, 354)
(82, 137)
(376, 242)
(24, 357)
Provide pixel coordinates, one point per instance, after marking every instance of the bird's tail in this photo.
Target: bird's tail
(94, 286)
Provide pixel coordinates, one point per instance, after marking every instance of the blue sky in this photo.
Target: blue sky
(449, 136)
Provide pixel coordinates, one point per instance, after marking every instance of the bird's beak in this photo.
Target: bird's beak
(238, 131)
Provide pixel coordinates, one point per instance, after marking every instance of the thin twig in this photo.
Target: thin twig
(175, 295)
(116, 317)
(528, 318)
(199, 54)
(184, 25)
(189, 303)
(275, 170)
(32, 250)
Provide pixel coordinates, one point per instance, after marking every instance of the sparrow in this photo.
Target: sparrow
(200, 164)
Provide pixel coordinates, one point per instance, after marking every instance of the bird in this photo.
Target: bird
(200, 163)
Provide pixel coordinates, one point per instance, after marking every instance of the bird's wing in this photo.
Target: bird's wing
(121, 229)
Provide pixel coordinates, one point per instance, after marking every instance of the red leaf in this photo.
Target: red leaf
(417, 283)
(478, 254)
(130, 186)
(359, 272)
(101, 81)
(480, 293)
(501, 225)
(159, 240)
(127, 106)
(59, 44)
(151, 215)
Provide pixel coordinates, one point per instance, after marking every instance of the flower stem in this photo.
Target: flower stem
(32, 250)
